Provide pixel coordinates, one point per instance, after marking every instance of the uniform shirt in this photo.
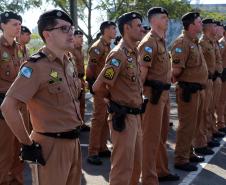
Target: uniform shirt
(209, 51)
(79, 60)
(122, 75)
(9, 64)
(97, 56)
(154, 56)
(187, 54)
(219, 66)
(222, 44)
(50, 89)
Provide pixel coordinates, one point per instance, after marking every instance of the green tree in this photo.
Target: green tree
(19, 6)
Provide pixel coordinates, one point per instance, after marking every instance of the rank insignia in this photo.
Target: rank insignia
(115, 62)
(54, 76)
(5, 56)
(148, 49)
(26, 72)
(97, 51)
(178, 50)
(147, 58)
(109, 73)
(176, 61)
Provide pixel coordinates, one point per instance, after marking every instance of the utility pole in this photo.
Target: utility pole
(74, 12)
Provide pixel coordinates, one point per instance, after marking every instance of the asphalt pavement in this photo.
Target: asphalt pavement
(211, 172)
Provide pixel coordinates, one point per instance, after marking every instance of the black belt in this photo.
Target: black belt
(73, 134)
(193, 86)
(157, 84)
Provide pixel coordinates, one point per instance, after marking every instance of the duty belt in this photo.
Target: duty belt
(73, 134)
(157, 84)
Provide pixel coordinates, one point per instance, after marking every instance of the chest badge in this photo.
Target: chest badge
(5, 56)
(55, 77)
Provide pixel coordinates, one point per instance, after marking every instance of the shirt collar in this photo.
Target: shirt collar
(5, 43)
(189, 37)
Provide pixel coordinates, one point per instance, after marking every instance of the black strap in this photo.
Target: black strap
(73, 134)
(36, 57)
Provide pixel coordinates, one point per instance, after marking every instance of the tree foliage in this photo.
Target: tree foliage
(19, 5)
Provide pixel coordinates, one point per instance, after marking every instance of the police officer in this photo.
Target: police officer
(221, 108)
(79, 60)
(11, 170)
(156, 75)
(49, 85)
(99, 132)
(190, 71)
(23, 40)
(23, 53)
(203, 132)
(120, 83)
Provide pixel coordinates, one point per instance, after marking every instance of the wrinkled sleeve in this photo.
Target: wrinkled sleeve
(26, 83)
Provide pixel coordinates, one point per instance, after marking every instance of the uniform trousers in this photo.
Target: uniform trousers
(127, 152)
(63, 161)
(200, 138)
(155, 124)
(82, 99)
(216, 95)
(188, 120)
(99, 131)
(221, 107)
(11, 168)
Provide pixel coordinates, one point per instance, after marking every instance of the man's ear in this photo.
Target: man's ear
(46, 34)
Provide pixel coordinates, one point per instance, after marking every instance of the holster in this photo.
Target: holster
(2, 96)
(32, 153)
(157, 87)
(118, 118)
(188, 89)
(223, 75)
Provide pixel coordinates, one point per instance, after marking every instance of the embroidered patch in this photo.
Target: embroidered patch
(130, 59)
(178, 50)
(26, 72)
(115, 62)
(55, 76)
(147, 58)
(221, 46)
(97, 51)
(176, 61)
(5, 56)
(148, 49)
(109, 73)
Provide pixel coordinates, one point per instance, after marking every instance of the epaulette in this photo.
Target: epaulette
(36, 57)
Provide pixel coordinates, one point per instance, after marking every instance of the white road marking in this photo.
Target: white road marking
(192, 175)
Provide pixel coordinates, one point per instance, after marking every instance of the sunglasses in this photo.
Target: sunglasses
(64, 29)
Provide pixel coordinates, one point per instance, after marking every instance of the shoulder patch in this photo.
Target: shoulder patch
(97, 51)
(26, 72)
(115, 62)
(148, 49)
(109, 73)
(36, 57)
(178, 50)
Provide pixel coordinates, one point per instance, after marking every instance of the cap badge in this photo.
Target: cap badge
(134, 15)
(6, 15)
(59, 14)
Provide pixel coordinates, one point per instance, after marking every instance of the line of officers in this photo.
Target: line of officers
(130, 85)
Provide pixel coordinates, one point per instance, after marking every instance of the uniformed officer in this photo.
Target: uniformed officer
(11, 170)
(190, 71)
(217, 83)
(203, 131)
(49, 85)
(221, 108)
(23, 53)
(156, 75)
(23, 40)
(120, 83)
(99, 132)
(79, 60)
